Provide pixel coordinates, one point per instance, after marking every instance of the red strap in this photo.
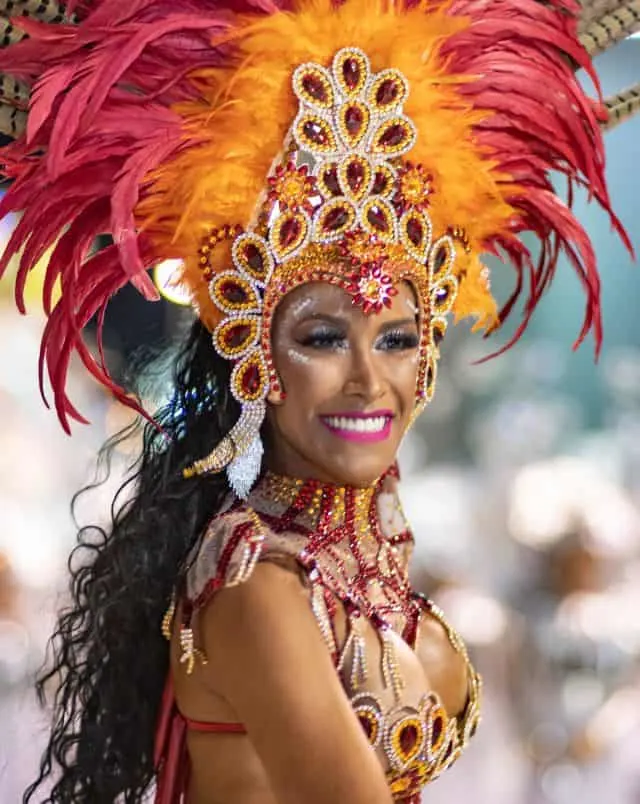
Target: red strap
(170, 751)
(170, 755)
(218, 728)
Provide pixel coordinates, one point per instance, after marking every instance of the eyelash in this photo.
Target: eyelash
(396, 340)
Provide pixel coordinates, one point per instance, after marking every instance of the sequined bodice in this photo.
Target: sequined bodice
(352, 548)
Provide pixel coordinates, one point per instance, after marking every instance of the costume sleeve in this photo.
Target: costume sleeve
(226, 556)
(231, 547)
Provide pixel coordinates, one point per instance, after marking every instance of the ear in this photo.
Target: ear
(276, 395)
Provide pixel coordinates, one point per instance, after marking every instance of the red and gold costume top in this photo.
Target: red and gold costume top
(351, 548)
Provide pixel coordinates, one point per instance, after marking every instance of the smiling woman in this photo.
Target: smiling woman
(246, 631)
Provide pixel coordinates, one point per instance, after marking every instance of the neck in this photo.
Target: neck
(324, 506)
(358, 537)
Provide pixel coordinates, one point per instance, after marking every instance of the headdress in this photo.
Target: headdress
(264, 144)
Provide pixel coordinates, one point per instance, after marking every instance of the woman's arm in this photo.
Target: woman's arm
(268, 659)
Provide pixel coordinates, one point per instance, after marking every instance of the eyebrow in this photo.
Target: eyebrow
(401, 322)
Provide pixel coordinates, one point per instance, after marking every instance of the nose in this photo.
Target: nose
(366, 378)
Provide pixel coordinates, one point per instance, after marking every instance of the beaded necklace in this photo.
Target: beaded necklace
(346, 537)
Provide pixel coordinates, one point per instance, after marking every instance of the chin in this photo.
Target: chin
(362, 475)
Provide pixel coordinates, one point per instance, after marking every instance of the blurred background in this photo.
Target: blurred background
(522, 483)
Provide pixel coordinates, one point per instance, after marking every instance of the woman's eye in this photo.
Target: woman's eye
(324, 339)
(398, 341)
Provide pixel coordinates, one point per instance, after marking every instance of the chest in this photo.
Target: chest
(398, 693)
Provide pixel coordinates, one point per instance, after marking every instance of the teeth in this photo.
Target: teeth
(372, 425)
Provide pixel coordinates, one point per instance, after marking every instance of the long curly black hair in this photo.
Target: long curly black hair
(109, 658)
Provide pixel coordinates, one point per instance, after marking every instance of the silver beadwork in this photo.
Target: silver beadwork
(244, 469)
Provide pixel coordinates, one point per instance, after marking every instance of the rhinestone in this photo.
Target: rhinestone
(387, 92)
(368, 724)
(408, 739)
(415, 232)
(335, 219)
(436, 730)
(253, 256)
(377, 218)
(315, 133)
(355, 176)
(395, 135)
(289, 232)
(235, 337)
(353, 120)
(351, 73)
(233, 293)
(380, 183)
(315, 87)
(441, 258)
(250, 380)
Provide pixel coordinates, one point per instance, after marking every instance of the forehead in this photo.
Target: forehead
(323, 298)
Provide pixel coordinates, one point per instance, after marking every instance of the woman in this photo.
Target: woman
(328, 175)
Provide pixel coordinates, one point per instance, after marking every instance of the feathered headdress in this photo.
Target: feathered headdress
(258, 140)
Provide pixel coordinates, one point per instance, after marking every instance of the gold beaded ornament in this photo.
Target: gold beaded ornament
(340, 206)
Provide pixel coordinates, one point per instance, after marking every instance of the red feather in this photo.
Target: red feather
(522, 57)
(90, 143)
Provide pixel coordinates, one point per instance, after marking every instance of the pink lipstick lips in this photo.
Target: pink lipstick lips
(362, 428)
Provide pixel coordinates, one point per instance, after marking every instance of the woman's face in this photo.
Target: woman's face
(350, 382)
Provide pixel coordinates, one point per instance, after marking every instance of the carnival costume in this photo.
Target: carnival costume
(265, 145)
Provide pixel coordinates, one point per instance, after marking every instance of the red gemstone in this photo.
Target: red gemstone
(441, 258)
(380, 183)
(253, 256)
(331, 181)
(289, 232)
(369, 727)
(315, 132)
(250, 381)
(233, 293)
(351, 73)
(235, 337)
(429, 384)
(408, 739)
(335, 219)
(315, 87)
(353, 120)
(415, 232)
(355, 176)
(387, 92)
(438, 335)
(437, 723)
(377, 218)
(393, 136)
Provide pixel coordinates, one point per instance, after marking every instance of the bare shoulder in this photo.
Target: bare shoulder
(268, 659)
(273, 598)
(262, 633)
(444, 659)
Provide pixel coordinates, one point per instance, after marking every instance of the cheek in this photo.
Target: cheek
(405, 377)
(309, 380)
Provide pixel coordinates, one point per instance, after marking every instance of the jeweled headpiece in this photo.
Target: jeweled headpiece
(340, 206)
(265, 144)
